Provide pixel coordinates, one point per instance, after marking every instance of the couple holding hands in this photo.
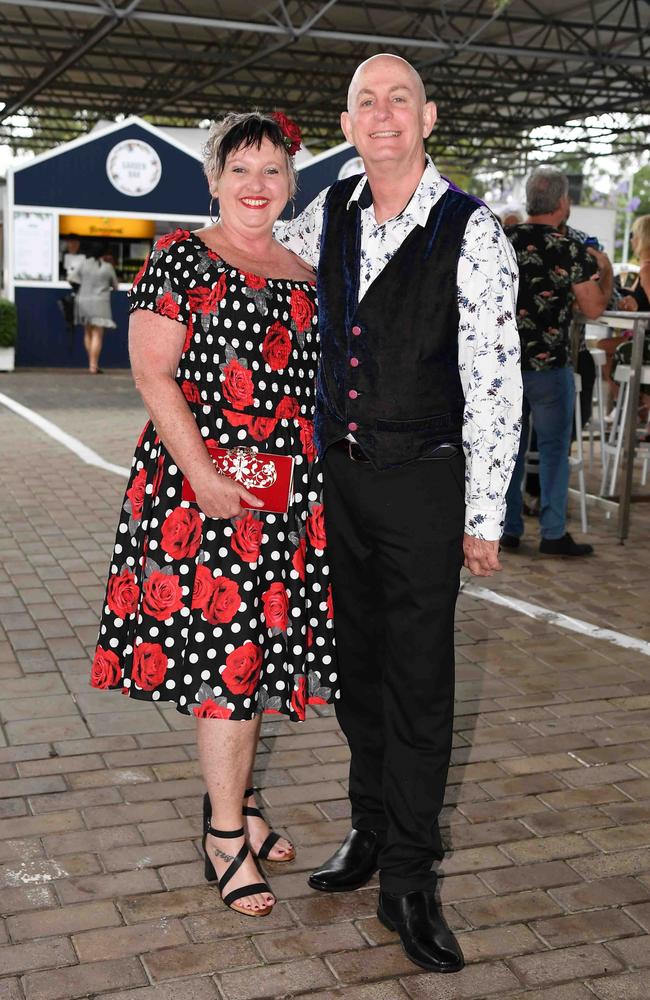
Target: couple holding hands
(372, 344)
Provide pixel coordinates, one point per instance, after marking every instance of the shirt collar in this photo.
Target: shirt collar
(418, 208)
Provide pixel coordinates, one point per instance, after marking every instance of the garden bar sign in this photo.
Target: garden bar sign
(99, 225)
(133, 167)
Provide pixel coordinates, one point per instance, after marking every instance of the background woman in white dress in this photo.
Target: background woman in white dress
(97, 278)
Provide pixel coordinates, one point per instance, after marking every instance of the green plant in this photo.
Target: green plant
(8, 323)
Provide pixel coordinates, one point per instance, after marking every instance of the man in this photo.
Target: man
(420, 356)
(555, 272)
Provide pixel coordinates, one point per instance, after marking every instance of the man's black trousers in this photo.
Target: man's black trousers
(395, 551)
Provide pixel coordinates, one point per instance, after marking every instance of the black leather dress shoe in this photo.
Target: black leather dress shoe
(352, 866)
(426, 939)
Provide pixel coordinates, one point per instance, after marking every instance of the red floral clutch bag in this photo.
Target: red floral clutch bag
(267, 476)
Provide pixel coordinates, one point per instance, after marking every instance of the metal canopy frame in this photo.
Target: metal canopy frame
(496, 68)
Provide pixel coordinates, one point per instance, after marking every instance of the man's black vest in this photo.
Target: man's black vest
(389, 364)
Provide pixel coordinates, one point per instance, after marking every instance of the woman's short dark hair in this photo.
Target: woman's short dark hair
(240, 131)
(95, 248)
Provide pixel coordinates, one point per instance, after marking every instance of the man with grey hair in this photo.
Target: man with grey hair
(546, 187)
(555, 273)
(417, 422)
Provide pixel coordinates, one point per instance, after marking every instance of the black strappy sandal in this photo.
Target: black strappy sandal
(272, 838)
(231, 898)
(270, 841)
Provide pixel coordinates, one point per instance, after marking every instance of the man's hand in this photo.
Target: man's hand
(605, 273)
(601, 258)
(481, 557)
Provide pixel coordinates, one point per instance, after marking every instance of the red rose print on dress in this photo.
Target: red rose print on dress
(259, 428)
(330, 603)
(157, 479)
(298, 697)
(210, 709)
(237, 385)
(106, 671)
(298, 560)
(254, 281)
(307, 438)
(287, 408)
(276, 347)
(205, 300)
(317, 695)
(122, 594)
(142, 434)
(256, 288)
(191, 391)
(223, 601)
(246, 538)
(161, 596)
(203, 586)
(189, 334)
(302, 313)
(136, 494)
(316, 526)
(139, 276)
(276, 607)
(149, 665)
(170, 238)
(242, 670)
(167, 305)
(181, 533)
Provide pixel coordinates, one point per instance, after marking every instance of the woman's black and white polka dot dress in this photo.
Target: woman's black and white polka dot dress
(226, 618)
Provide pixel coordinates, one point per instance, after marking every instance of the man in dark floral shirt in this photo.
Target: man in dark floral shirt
(556, 273)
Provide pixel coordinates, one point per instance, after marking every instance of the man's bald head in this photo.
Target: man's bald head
(388, 116)
(377, 62)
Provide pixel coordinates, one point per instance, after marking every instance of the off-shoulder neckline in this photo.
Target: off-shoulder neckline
(252, 274)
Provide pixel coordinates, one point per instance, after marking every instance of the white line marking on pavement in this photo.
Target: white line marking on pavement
(556, 618)
(471, 589)
(81, 450)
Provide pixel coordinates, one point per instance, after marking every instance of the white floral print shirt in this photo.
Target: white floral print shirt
(488, 341)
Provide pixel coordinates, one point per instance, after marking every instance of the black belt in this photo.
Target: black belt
(355, 453)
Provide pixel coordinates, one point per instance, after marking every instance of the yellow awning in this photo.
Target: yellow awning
(97, 225)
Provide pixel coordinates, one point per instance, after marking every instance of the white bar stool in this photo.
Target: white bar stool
(613, 447)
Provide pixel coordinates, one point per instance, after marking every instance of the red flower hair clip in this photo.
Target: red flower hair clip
(290, 132)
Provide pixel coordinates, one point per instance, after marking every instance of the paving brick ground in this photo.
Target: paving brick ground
(547, 879)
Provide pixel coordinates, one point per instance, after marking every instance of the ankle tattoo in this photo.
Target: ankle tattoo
(222, 854)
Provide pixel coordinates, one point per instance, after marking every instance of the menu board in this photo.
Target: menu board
(34, 246)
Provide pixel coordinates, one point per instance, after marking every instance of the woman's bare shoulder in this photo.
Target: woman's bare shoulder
(296, 268)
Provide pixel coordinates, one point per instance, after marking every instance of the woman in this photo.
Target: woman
(638, 301)
(96, 278)
(223, 610)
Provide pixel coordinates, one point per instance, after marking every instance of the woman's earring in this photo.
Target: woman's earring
(210, 212)
(293, 210)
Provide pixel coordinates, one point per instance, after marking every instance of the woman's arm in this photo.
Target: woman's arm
(644, 277)
(155, 347)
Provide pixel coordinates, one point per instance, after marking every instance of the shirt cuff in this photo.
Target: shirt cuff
(485, 523)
